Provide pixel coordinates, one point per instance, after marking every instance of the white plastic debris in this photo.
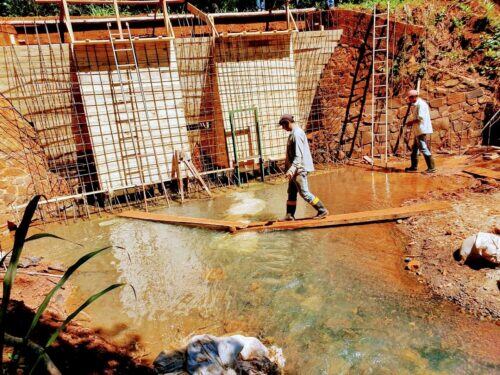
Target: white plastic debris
(482, 245)
(252, 347)
(211, 355)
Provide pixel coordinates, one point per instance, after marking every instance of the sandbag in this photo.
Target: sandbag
(211, 355)
(481, 246)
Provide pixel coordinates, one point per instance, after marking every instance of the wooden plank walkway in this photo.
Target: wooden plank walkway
(364, 217)
(483, 172)
(223, 225)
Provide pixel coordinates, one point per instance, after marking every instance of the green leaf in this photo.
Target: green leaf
(70, 317)
(38, 236)
(19, 240)
(58, 286)
(4, 257)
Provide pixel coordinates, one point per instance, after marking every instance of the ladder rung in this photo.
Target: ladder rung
(123, 49)
(380, 26)
(381, 38)
(380, 50)
(125, 65)
(125, 35)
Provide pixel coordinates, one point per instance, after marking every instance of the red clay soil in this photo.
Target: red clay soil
(434, 238)
(78, 350)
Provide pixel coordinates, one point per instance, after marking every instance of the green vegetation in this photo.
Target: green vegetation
(24, 348)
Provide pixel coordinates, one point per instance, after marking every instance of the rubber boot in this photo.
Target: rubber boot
(431, 166)
(290, 212)
(322, 211)
(414, 164)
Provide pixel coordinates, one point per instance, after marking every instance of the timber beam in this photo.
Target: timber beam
(355, 218)
(207, 18)
(66, 17)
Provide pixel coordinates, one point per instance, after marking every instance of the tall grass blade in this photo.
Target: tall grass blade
(70, 317)
(4, 257)
(38, 236)
(59, 285)
(19, 240)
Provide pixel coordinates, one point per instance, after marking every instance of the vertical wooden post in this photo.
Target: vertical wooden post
(287, 10)
(176, 173)
(67, 21)
(168, 24)
(118, 19)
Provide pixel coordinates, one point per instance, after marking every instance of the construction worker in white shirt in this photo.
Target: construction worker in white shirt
(298, 165)
(422, 127)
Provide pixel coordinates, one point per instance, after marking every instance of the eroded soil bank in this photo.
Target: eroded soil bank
(435, 238)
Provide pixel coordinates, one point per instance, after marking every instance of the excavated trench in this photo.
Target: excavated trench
(336, 300)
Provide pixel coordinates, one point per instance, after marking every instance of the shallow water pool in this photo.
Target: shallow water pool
(336, 300)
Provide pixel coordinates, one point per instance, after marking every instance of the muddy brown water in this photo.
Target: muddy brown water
(337, 300)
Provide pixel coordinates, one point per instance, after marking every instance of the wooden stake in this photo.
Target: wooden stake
(176, 174)
(118, 20)
(67, 21)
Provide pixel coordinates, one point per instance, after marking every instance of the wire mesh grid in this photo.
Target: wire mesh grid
(99, 116)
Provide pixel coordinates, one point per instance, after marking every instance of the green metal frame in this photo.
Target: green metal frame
(259, 142)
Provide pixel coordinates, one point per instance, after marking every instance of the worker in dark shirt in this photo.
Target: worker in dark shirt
(298, 164)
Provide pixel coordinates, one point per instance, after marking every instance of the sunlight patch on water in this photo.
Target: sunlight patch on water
(246, 204)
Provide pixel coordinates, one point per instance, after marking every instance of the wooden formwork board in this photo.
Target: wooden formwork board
(133, 142)
(257, 72)
(489, 171)
(363, 217)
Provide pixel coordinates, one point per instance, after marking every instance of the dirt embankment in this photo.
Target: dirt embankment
(78, 350)
(434, 238)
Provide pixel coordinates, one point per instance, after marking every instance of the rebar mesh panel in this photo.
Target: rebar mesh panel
(126, 139)
(259, 72)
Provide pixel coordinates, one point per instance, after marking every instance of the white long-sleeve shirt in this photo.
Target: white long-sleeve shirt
(298, 155)
(424, 125)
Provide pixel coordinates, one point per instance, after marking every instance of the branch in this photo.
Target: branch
(36, 349)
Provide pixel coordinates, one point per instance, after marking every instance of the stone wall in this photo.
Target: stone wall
(23, 166)
(460, 105)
